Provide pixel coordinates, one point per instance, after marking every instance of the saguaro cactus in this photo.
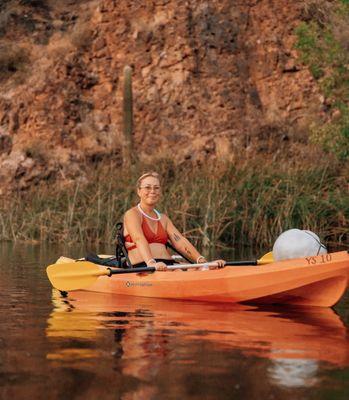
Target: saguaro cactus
(128, 155)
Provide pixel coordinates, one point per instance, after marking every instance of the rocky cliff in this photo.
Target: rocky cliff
(211, 79)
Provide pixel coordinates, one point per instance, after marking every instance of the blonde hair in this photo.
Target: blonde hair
(153, 174)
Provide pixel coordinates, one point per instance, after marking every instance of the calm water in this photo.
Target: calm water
(90, 346)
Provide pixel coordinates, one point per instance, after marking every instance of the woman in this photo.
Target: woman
(147, 231)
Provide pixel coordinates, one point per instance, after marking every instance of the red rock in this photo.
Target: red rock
(199, 69)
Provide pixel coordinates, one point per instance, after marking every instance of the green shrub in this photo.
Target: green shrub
(334, 136)
(323, 46)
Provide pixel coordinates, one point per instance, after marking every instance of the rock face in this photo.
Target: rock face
(211, 79)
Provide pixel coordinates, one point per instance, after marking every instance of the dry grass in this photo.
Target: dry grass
(220, 205)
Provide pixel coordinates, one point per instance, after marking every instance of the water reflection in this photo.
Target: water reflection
(294, 373)
(151, 335)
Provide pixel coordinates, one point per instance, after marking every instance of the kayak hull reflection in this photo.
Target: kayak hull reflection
(309, 281)
(278, 333)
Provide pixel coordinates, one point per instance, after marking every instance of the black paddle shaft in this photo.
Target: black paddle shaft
(131, 270)
(241, 263)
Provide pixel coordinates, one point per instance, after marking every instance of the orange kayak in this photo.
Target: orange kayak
(313, 281)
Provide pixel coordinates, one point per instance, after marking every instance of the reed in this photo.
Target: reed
(222, 205)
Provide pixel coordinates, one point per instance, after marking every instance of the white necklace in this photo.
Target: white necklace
(158, 215)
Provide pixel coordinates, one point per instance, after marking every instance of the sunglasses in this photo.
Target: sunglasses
(149, 188)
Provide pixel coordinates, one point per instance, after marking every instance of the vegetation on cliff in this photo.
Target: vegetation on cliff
(323, 46)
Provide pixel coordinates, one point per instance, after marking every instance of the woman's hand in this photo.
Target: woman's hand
(160, 266)
(220, 264)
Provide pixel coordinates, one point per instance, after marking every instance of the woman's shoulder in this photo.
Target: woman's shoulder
(164, 218)
(132, 213)
(163, 215)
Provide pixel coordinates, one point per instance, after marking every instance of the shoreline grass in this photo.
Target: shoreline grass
(221, 205)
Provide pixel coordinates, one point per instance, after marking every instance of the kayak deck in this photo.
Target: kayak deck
(311, 281)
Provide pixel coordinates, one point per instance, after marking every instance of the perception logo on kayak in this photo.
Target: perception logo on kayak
(129, 284)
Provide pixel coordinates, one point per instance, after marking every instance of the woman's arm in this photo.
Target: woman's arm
(181, 243)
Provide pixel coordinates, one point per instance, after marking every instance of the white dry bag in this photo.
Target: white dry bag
(296, 243)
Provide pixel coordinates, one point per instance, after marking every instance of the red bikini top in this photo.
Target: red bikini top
(160, 236)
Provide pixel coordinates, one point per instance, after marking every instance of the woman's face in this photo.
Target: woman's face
(149, 190)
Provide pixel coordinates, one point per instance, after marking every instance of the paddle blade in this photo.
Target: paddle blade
(266, 259)
(74, 275)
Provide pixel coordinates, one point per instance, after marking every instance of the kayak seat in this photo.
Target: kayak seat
(121, 253)
(120, 260)
(107, 262)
